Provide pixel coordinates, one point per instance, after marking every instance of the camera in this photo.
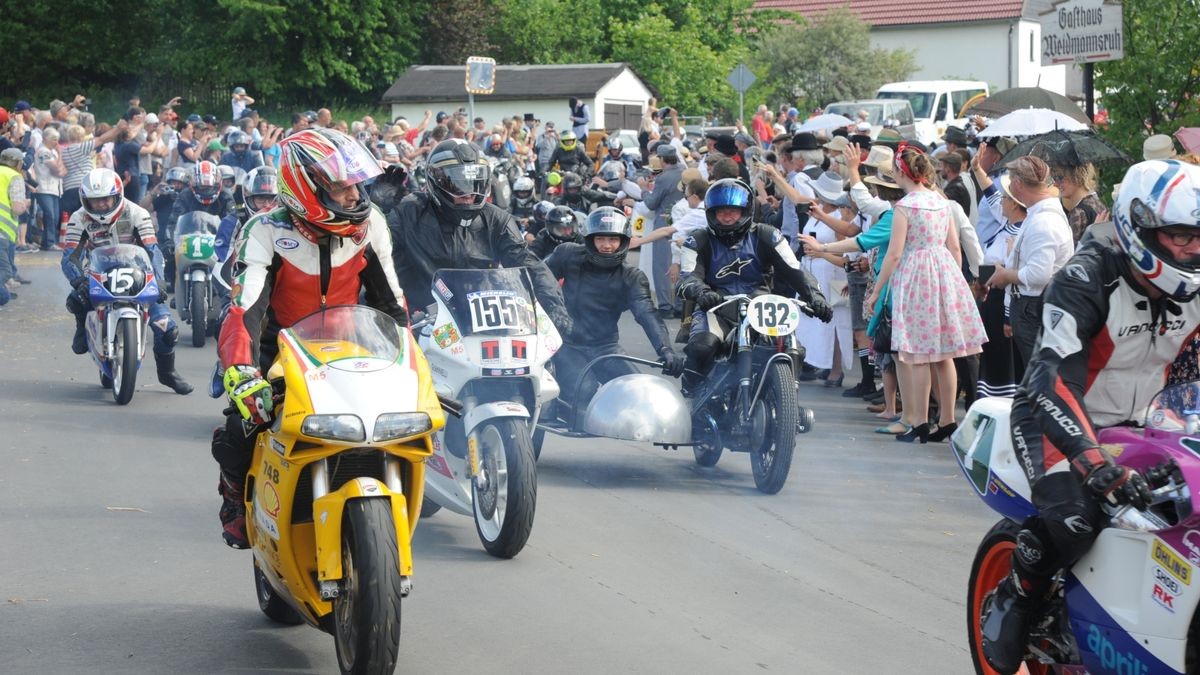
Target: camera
(182, 101)
(850, 265)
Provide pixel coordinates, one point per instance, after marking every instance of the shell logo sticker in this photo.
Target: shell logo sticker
(269, 500)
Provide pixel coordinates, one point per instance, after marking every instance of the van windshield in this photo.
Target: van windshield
(874, 111)
(921, 101)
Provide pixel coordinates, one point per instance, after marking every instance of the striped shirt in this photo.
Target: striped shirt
(77, 158)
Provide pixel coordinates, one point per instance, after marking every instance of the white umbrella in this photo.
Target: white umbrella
(1032, 122)
(825, 122)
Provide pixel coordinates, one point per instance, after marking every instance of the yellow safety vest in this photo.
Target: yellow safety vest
(8, 221)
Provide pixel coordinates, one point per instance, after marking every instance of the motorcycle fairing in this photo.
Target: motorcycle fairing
(1108, 647)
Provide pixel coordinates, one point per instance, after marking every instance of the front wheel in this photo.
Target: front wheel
(199, 311)
(772, 459)
(539, 438)
(366, 612)
(505, 504)
(993, 562)
(125, 360)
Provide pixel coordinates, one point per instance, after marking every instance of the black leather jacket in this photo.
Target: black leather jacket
(596, 296)
(421, 245)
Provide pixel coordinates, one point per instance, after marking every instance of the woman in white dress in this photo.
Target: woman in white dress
(825, 342)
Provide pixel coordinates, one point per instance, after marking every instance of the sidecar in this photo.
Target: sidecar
(635, 407)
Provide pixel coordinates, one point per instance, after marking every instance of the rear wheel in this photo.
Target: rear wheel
(199, 311)
(772, 459)
(993, 562)
(366, 612)
(125, 360)
(270, 603)
(504, 506)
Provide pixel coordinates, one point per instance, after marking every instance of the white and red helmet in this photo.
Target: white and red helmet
(1154, 195)
(101, 193)
(313, 162)
(206, 182)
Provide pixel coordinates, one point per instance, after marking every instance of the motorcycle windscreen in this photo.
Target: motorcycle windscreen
(196, 222)
(492, 302)
(123, 269)
(354, 338)
(1176, 409)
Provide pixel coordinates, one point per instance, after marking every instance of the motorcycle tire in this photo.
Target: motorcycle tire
(706, 455)
(198, 308)
(539, 437)
(504, 512)
(993, 562)
(271, 604)
(105, 381)
(772, 460)
(366, 613)
(125, 360)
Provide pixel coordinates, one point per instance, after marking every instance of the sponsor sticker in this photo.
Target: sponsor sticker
(287, 243)
(1164, 598)
(446, 335)
(1165, 580)
(278, 446)
(1171, 562)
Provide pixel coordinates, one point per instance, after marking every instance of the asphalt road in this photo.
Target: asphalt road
(640, 561)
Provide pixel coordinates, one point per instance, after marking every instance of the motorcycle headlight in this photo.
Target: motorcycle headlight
(334, 427)
(401, 425)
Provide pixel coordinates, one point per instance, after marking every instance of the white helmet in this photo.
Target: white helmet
(100, 184)
(1154, 195)
(523, 188)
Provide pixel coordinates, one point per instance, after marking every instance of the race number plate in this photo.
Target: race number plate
(496, 310)
(773, 315)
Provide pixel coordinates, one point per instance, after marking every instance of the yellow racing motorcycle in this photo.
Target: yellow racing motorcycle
(334, 491)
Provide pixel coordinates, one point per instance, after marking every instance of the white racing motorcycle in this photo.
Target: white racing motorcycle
(487, 342)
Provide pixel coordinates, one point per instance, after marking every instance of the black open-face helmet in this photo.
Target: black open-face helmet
(610, 221)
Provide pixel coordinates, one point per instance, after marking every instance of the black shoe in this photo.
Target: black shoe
(943, 433)
(167, 374)
(874, 397)
(860, 390)
(919, 434)
(1004, 626)
(79, 342)
(233, 512)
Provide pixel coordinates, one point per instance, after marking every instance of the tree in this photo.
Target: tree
(829, 59)
(1156, 87)
(549, 31)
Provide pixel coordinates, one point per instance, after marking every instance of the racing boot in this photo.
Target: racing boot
(699, 351)
(167, 374)
(1017, 599)
(233, 509)
(79, 342)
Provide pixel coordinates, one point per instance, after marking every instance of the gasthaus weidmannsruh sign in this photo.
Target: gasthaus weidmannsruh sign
(1082, 31)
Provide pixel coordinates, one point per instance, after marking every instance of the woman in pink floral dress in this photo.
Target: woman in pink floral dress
(934, 317)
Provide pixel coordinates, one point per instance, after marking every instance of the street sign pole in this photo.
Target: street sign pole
(471, 105)
(741, 79)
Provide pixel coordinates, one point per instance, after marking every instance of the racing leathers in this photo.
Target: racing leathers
(132, 226)
(595, 298)
(422, 244)
(746, 267)
(277, 280)
(576, 161)
(544, 244)
(1106, 348)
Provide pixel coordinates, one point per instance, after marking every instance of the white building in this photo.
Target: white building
(997, 41)
(615, 94)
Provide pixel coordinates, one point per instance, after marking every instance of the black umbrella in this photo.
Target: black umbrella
(1004, 102)
(1067, 148)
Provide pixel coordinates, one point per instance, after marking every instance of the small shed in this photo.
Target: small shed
(615, 94)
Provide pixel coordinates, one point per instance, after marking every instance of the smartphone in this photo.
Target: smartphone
(986, 272)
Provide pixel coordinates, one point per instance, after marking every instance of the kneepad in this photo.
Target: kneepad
(76, 304)
(1072, 528)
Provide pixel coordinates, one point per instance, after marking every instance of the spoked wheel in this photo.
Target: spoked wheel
(125, 360)
(993, 562)
(772, 458)
(366, 613)
(707, 437)
(198, 307)
(270, 603)
(505, 503)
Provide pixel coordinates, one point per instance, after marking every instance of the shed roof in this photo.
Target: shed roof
(905, 12)
(513, 82)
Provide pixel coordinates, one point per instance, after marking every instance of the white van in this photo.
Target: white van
(935, 103)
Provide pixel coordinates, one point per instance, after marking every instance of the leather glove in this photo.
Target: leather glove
(709, 299)
(80, 283)
(1119, 485)
(564, 323)
(671, 361)
(250, 393)
(818, 308)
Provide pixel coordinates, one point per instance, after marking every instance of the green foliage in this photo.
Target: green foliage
(1153, 90)
(536, 31)
(827, 60)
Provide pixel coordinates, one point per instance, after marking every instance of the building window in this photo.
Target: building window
(1031, 53)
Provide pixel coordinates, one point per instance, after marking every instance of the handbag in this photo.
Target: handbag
(839, 298)
(881, 341)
